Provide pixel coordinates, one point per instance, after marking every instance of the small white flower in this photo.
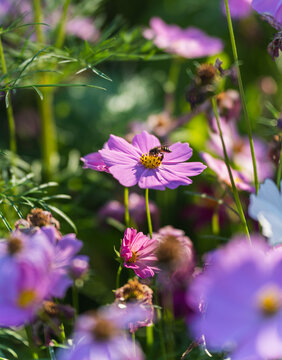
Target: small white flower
(266, 207)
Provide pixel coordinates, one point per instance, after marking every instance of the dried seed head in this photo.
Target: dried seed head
(134, 291)
(169, 253)
(15, 245)
(39, 218)
(104, 329)
(207, 73)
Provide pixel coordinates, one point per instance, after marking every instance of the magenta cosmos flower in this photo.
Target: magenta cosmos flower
(101, 336)
(188, 43)
(240, 297)
(138, 252)
(133, 164)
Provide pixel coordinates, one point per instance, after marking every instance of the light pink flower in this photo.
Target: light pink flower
(220, 168)
(138, 252)
(188, 43)
(238, 8)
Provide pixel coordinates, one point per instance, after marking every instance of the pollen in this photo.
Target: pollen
(270, 302)
(150, 162)
(133, 257)
(26, 298)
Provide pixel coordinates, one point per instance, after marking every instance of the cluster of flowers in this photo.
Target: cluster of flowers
(39, 264)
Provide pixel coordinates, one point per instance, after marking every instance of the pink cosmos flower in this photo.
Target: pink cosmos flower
(220, 168)
(238, 8)
(188, 43)
(132, 163)
(94, 161)
(138, 252)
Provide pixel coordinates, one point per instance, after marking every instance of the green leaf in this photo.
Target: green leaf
(63, 215)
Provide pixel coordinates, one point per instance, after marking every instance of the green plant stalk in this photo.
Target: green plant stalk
(48, 128)
(227, 162)
(30, 342)
(242, 93)
(10, 114)
(75, 302)
(62, 25)
(279, 171)
(118, 276)
(126, 209)
(148, 213)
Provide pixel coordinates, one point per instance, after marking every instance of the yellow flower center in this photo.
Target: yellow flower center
(133, 257)
(270, 301)
(150, 162)
(26, 298)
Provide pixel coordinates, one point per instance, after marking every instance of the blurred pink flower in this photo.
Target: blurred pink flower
(137, 210)
(238, 8)
(138, 252)
(188, 43)
(219, 167)
(238, 149)
(175, 254)
(83, 27)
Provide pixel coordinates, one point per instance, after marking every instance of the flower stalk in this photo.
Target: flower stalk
(148, 212)
(9, 109)
(242, 93)
(227, 162)
(279, 171)
(62, 25)
(126, 209)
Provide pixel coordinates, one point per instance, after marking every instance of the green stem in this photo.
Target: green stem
(171, 84)
(10, 114)
(148, 213)
(279, 171)
(48, 128)
(227, 162)
(118, 276)
(48, 131)
(126, 209)
(242, 94)
(30, 342)
(62, 24)
(150, 336)
(37, 10)
(75, 302)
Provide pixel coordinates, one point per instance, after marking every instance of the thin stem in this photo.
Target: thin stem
(75, 302)
(171, 84)
(242, 94)
(149, 336)
(118, 276)
(30, 342)
(227, 162)
(279, 171)
(9, 109)
(62, 25)
(126, 209)
(148, 212)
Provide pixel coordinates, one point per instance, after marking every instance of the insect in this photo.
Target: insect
(159, 150)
